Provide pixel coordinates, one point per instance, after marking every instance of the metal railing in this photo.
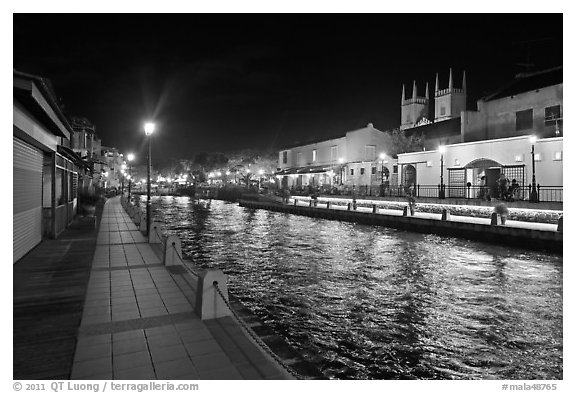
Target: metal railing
(521, 193)
(253, 335)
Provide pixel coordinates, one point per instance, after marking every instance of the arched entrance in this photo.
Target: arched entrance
(487, 168)
(408, 175)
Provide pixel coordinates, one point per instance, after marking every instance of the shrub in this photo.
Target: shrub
(501, 209)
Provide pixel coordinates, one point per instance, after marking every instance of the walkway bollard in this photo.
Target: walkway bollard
(172, 251)
(374, 208)
(143, 223)
(328, 205)
(310, 204)
(295, 201)
(209, 303)
(496, 219)
(354, 204)
(155, 232)
(560, 223)
(405, 211)
(349, 206)
(445, 215)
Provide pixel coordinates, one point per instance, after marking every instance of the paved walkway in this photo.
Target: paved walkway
(139, 322)
(435, 216)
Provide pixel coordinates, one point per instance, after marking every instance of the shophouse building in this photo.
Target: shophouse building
(45, 176)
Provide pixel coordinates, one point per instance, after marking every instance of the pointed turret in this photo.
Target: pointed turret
(427, 93)
(437, 84)
(414, 94)
(450, 83)
(464, 81)
(403, 94)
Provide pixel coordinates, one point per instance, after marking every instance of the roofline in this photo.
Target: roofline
(488, 97)
(47, 92)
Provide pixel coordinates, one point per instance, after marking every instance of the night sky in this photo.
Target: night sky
(226, 82)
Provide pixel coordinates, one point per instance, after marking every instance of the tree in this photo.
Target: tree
(399, 143)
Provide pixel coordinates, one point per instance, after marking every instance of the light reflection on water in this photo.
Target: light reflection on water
(372, 302)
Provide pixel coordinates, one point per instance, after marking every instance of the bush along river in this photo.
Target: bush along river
(367, 302)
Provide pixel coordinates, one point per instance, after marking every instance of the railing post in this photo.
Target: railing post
(172, 251)
(143, 223)
(209, 303)
(155, 233)
(374, 208)
(445, 215)
(328, 205)
(538, 193)
(295, 201)
(405, 211)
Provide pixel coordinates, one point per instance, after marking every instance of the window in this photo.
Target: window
(361, 171)
(314, 154)
(370, 151)
(519, 157)
(558, 156)
(524, 120)
(373, 170)
(284, 157)
(537, 156)
(351, 171)
(333, 153)
(456, 162)
(442, 110)
(428, 164)
(60, 187)
(395, 169)
(551, 114)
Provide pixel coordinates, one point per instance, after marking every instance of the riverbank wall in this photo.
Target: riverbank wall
(535, 239)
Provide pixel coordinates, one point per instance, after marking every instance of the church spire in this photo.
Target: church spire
(450, 84)
(427, 94)
(403, 93)
(437, 84)
(464, 81)
(414, 93)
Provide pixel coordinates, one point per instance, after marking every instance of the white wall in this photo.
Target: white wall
(549, 172)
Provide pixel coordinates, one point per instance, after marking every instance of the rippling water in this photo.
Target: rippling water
(371, 302)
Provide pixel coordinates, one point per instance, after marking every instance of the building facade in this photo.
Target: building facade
(531, 104)
(353, 159)
(468, 162)
(45, 176)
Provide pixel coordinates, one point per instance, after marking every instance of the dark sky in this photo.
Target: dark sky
(225, 82)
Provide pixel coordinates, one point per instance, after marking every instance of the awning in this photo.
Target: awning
(306, 170)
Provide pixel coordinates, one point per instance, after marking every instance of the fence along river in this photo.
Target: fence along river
(364, 302)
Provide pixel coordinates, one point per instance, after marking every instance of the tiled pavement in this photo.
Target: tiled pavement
(139, 322)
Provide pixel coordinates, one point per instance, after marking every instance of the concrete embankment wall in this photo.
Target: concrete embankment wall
(521, 237)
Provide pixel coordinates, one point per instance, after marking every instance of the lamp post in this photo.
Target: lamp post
(123, 176)
(382, 157)
(341, 162)
(130, 159)
(441, 193)
(533, 191)
(148, 130)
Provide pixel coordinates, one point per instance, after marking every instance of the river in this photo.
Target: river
(367, 302)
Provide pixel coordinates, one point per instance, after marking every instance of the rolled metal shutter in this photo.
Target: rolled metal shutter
(27, 202)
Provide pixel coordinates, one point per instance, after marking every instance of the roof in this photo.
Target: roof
(525, 82)
(26, 88)
(305, 170)
(313, 141)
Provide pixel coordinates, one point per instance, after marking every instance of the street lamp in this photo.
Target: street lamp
(123, 176)
(260, 173)
(382, 157)
(341, 162)
(441, 193)
(148, 130)
(533, 191)
(130, 159)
